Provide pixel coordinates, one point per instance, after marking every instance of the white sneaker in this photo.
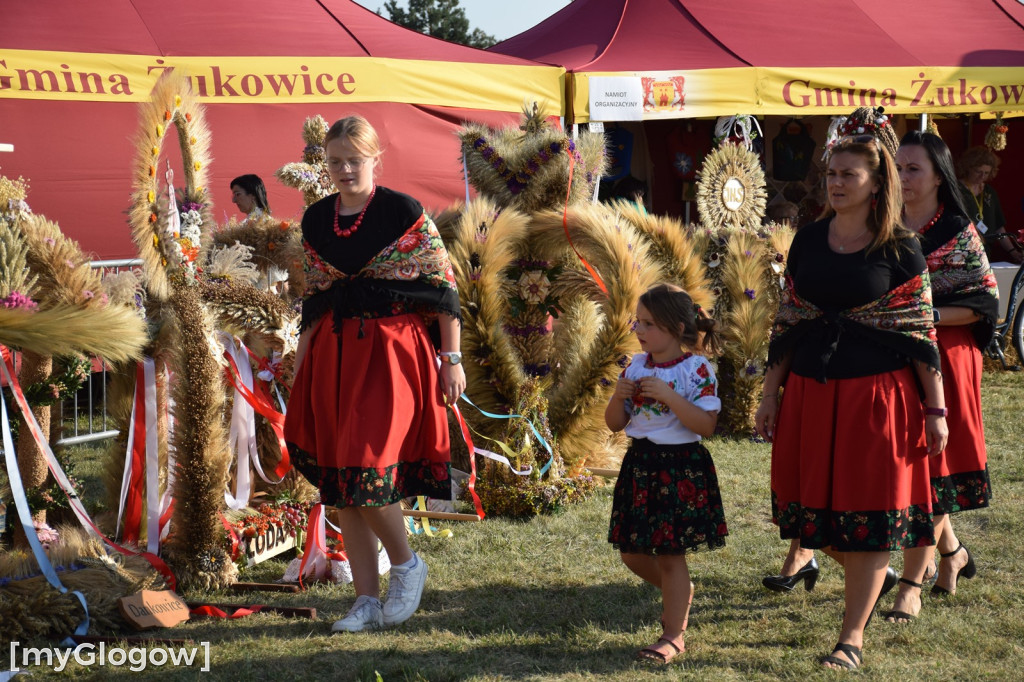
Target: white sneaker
(365, 614)
(404, 592)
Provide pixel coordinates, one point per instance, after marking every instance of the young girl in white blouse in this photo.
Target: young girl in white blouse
(666, 500)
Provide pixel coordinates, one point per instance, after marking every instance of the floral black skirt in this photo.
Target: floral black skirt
(667, 500)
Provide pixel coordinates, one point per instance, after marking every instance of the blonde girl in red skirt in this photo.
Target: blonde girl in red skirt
(366, 420)
(666, 501)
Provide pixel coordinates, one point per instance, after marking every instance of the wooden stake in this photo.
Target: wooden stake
(605, 473)
(293, 611)
(264, 587)
(439, 516)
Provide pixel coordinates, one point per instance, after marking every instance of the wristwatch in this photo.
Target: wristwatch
(451, 357)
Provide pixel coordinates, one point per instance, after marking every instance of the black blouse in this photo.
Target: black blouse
(388, 216)
(839, 281)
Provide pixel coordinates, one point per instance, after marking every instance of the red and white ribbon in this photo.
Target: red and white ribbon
(242, 437)
(142, 461)
(7, 371)
(315, 562)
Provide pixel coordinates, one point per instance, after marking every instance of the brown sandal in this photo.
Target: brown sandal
(654, 656)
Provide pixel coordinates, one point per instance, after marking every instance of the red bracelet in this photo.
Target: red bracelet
(936, 411)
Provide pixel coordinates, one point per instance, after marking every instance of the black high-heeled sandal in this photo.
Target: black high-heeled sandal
(968, 570)
(897, 615)
(785, 583)
(853, 658)
(891, 578)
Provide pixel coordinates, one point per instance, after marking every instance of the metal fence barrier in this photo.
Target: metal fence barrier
(87, 409)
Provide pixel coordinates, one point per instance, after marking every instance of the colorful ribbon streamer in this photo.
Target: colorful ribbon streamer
(7, 371)
(565, 226)
(25, 515)
(471, 484)
(536, 433)
(130, 509)
(214, 612)
(261, 403)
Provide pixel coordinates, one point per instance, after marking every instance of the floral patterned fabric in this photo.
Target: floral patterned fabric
(374, 487)
(860, 531)
(689, 375)
(667, 501)
(960, 271)
(901, 319)
(411, 274)
(960, 492)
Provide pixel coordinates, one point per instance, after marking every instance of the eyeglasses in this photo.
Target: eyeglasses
(347, 164)
(637, 325)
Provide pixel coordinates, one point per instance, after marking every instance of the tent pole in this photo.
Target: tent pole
(924, 123)
(570, 92)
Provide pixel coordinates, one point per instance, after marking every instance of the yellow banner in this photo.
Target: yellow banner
(806, 92)
(79, 76)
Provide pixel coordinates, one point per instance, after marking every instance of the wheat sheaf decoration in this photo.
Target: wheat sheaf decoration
(744, 262)
(731, 188)
(676, 250)
(168, 229)
(602, 324)
(169, 237)
(310, 175)
(528, 168)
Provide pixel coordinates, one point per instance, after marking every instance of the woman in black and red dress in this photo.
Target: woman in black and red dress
(851, 438)
(966, 307)
(366, 420)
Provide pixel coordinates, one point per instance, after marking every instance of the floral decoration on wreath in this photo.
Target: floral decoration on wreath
(532, 287)
(863, 121)
(310, 175)
(292, 516)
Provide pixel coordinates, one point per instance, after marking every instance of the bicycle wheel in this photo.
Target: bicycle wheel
(1017, 334)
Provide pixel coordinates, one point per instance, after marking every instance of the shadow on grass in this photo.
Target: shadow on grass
(493, 632)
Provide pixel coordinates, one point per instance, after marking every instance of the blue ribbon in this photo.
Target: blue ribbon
(536, 433)
(25, 517)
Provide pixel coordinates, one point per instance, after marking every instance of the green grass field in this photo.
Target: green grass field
(549, 600)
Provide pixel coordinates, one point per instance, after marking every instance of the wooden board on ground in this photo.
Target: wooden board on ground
(287, 611)
(439, 516)
(264, 587)
(152, 609)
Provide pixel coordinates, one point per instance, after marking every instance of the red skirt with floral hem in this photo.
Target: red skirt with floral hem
(960, 475)
(366, 419)
(850, 466)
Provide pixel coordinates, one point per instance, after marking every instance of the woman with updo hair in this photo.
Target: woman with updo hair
(852, 342)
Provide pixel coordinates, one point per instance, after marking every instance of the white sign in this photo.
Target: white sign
(618, 98)
(263, 546)
(733, 194)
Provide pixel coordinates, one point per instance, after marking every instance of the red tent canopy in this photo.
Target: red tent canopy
(71, 73)
(653, 35)
(792, 58)
(829, 54)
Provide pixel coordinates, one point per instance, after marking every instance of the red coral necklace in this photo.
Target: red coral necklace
(355, 226)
